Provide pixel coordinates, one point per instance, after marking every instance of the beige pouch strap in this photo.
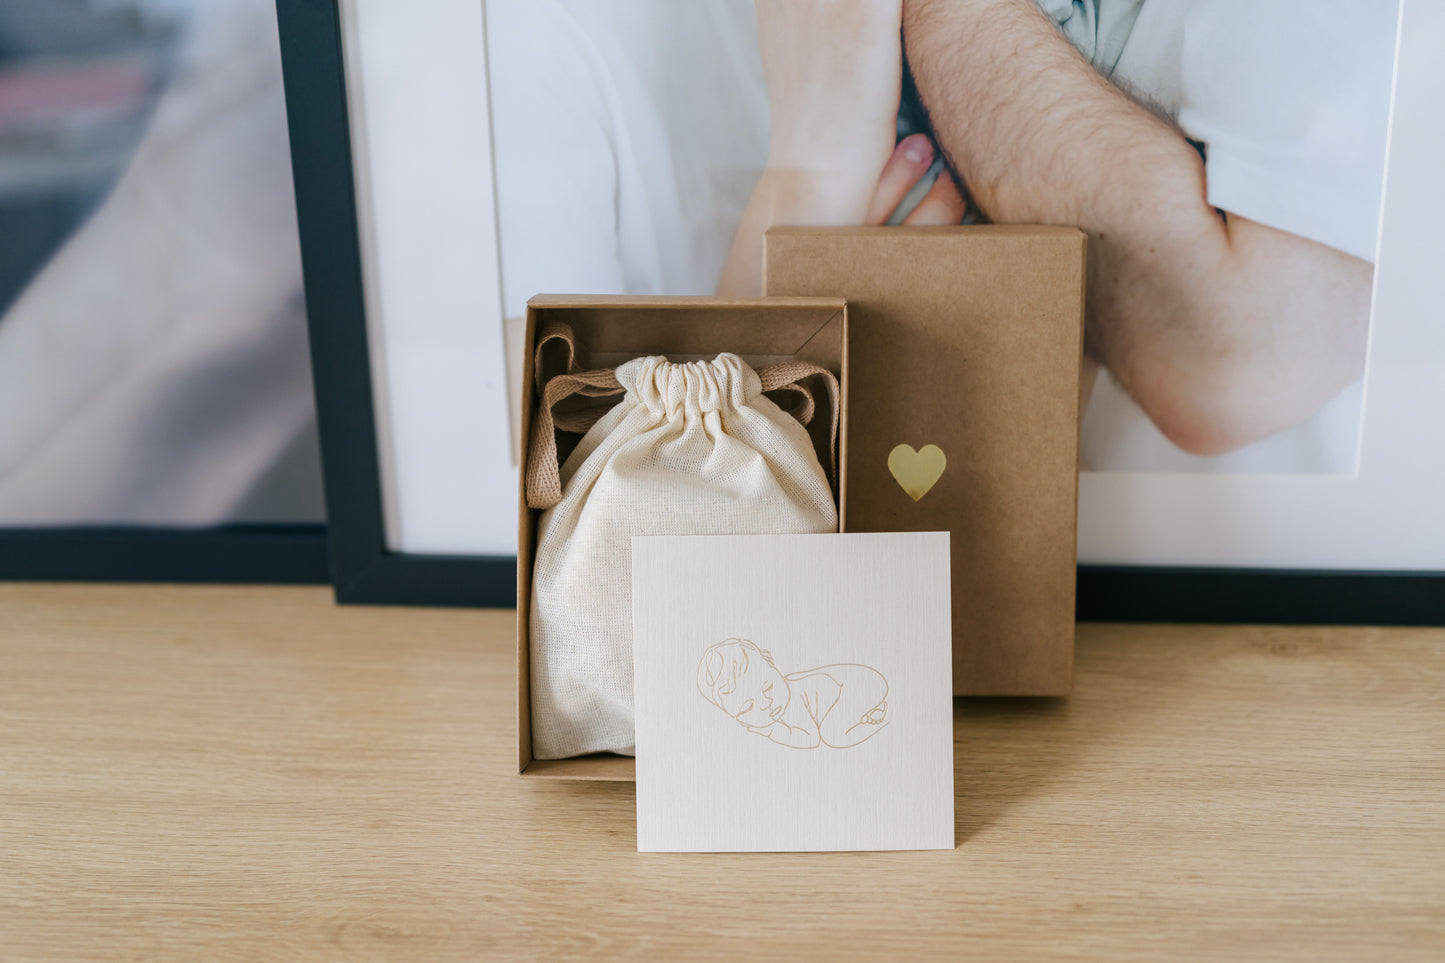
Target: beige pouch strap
(553, 331)
(544, 475)
(788, 376)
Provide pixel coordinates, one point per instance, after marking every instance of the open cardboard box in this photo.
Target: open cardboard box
(611, 330)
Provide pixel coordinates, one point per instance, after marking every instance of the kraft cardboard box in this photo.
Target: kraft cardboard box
(612, 330)
(968, 339)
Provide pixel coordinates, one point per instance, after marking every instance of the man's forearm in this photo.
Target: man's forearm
(1032, 129)
(1183, 315)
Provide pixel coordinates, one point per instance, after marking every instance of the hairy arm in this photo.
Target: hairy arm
(1223, 330)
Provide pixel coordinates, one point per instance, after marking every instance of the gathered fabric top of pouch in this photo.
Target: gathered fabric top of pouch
(692, 388)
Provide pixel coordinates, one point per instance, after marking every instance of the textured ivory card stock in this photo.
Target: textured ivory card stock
(793, 692)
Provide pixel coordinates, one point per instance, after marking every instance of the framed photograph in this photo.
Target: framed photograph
(1262, 349)
(1335, 517)
(390, 138)
(154, 376)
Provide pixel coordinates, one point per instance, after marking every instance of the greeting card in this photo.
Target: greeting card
(793, 692)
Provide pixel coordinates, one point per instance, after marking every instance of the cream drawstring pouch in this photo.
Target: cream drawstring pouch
(692, 448)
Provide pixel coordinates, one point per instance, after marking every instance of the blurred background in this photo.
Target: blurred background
(153, 356)
(77, 84)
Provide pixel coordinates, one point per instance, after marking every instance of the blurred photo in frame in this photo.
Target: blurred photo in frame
(158, 417)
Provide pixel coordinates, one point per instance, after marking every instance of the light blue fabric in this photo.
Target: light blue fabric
(1097, 28)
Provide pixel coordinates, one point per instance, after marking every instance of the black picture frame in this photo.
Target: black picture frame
(1136, 593)
(364, 571)
(277, 554)
(282, 553)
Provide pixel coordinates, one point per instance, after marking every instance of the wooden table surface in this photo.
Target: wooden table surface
(230, 772)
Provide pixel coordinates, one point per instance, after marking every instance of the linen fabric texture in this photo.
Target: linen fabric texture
(692, 448)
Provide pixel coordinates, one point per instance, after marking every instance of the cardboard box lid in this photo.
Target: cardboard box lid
(970, 339)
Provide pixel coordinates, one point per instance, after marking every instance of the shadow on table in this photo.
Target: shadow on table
(1005, 750)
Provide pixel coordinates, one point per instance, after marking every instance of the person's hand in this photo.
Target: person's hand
(911, 160)
(876, 715)
(834, 71)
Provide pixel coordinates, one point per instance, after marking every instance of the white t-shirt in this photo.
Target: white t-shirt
(628, 138)
(1291, 102)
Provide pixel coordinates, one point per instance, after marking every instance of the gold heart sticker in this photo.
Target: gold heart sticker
(917, 471)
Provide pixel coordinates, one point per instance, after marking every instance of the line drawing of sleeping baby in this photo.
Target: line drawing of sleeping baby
(838, 706)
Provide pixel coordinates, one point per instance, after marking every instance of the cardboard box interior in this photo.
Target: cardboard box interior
(968, 338)
(611, 330)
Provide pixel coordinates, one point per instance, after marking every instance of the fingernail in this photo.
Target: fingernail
(917, 148)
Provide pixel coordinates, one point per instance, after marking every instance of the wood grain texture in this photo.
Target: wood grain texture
(254, 773)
